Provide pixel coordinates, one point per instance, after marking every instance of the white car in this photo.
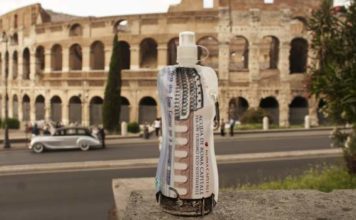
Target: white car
(65, 138)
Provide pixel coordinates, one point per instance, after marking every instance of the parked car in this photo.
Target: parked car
(65, 138)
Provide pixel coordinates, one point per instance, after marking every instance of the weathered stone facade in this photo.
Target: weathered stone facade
(57, 63)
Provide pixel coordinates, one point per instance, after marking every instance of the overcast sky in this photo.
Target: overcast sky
(98, 7)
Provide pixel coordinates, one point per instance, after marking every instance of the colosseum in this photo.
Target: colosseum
(55, 65)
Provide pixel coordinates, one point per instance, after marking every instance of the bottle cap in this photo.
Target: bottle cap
(187, 51)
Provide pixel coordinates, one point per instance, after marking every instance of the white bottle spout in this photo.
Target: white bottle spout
(187, 51)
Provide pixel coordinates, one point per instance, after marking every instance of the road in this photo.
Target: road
(88, 194)
(117, 150)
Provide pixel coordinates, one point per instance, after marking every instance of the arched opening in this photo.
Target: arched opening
(75, 110)
(269, 53)
(298, 56)
(15, 39)
(26, 64)
(76, 30)
(15, 21)
(124, 54)
(148, 53)
(75, 57)
(56, 58)
(96, 110)
(237, 107)
(56, 109)
(172, 51)
(97, 56)
(15, 107)
(213, 47)
(239, 54)
(125, 110)
(0, 65)
(40, 108)
(15, 65)
(147, 110)
(40, 59)
(298, 109)
(271, 107)
(7, 65)
(26, 108)
(120, 26)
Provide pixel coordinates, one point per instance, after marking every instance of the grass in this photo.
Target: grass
(325, 179)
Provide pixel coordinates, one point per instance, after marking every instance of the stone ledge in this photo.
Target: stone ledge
(139, 203)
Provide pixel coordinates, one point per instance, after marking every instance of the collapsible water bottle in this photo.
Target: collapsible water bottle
(187, 176)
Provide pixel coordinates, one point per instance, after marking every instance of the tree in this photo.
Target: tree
(112, 96)
(333, 75)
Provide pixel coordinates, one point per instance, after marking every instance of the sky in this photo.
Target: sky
(99, 7)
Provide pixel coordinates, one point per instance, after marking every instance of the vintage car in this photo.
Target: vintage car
(65, 138)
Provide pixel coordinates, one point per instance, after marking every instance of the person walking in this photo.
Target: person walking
(146, 133)
(101, 134)
(157, 125)
(222, 128)
(232, 126)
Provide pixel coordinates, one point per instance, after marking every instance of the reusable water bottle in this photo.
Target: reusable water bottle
(187, 176)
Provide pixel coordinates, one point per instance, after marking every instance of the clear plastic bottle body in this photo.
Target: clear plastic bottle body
(187, 167)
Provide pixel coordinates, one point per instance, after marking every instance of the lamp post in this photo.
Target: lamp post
(6, 129)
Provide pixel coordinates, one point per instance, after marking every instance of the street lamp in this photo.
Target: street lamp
(6, 128)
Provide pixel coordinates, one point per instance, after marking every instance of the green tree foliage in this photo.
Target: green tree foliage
(112, 96)
(333, 75)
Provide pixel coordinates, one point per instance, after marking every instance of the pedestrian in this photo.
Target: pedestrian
(101, 134)
(35, 130)
(157, 125)
(222, 128)
(232, 126)
(146, 133)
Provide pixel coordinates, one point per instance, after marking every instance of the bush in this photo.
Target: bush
(133, 127)
(253, 116)
(12, 123)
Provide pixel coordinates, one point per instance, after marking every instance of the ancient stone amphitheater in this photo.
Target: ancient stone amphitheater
(55, 65)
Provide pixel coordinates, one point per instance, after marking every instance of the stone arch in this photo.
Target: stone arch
(298, 56)
(56, 109)
(147, 110)
(15, 65)
(124, 54)
(75, 57)
(7, 57)
(148, 53)
(56, 58)
(97, 56)
(237, 107)
(15, 39)
(40, 108)
(15, 107)
(96, 111)
(26, 64)
(212, 44)
(26, 108)
(125, 110)
(239, 54)
(172, 51)
(271, 106)
(75, 110)
(76, 30)
(40, 59)
(298, 109)
(269, 52)
(120, 25)
(0, 64)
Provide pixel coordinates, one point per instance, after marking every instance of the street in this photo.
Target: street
(120, 150)
(88, 194)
